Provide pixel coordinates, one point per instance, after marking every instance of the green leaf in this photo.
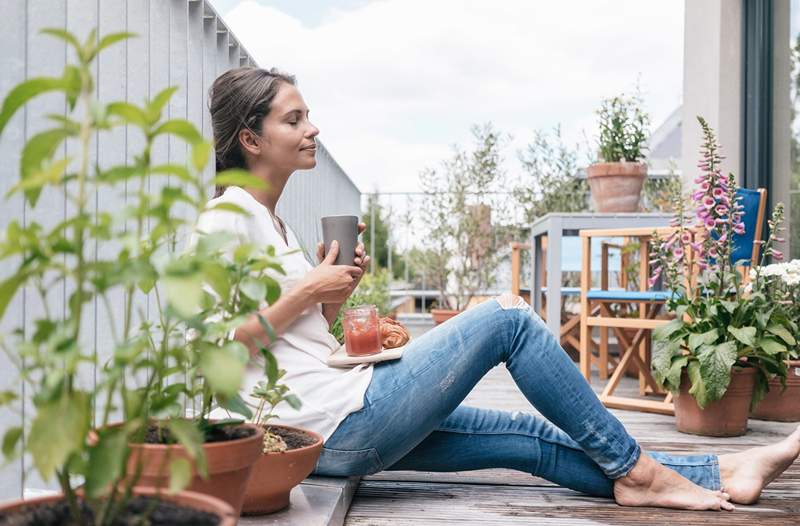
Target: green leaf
(253, 288)
(293, 401)
(746, 335)
(665, 331)
(191, 438)
(39, 148)
(158, 102)
(715, 367)
(235, 404)
(64, 35)
(663, 351)
(181, 128)
(111, 39)
(184, 293)
(180, 474)
(216, 276)
(25, 91)
(672, 380)
(173, 169)
(223, 369)
(70, 416)
(705, 338)
(119, 173)
(10, 441)
(241, 178)
(8, 289)
(200, 154)
(130, 113)
(730, 306)
(270, 366)
(783, 333)
(697, 389)
(6, 397)
(771, 347)
(107, 459)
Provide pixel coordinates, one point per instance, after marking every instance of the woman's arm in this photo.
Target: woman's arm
(327, 283)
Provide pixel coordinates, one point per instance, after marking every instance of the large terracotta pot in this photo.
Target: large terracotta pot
(229, 466)
(188, 499)
(727, 417)
(779, 405)
(275, 474)
(616, 187)
(442, 315)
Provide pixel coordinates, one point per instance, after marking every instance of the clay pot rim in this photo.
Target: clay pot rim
(617, 169)
(299, 450)
(446, 310)
(184, 498)
(257, 436)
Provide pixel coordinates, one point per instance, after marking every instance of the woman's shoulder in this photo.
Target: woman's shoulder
(230, 211)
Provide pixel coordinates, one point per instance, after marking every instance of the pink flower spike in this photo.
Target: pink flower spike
(709, 202)
(718, 192)
(686, 238)
(722, 210)
(700, 179)
(705, 186)
(678, 252)
(723, 237)
(777, 255)
(710, 223)
(738, 228)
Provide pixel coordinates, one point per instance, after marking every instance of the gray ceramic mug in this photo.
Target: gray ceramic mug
(343, 229)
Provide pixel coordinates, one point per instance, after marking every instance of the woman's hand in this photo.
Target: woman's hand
(361, 260)
(329, 283)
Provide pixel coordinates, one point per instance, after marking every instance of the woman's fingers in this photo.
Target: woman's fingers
(362, 227)
(320, 252)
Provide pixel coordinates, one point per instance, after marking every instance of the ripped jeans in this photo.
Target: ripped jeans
(413, 419)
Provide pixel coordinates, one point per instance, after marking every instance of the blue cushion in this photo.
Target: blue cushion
(629, 295)
(743, 243)
(566, 291)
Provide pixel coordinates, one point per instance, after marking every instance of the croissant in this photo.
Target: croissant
(393, 334)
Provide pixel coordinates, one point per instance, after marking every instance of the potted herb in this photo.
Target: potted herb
(461, 258)
(780, 284)
(616, 180)
(724, 344)
(288, 454)
(140, 391)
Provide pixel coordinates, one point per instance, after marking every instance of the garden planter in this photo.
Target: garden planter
(230, 463)
(442, 315)
(188, 509)
(616, 187)
(275, 474)
(779, 405)
(727, 417)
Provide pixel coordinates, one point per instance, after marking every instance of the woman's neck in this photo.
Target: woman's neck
(270, 195)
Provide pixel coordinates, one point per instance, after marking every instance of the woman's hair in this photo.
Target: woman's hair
(240, 98)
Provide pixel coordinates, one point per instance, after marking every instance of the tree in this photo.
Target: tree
(460, 256)
(380, 251)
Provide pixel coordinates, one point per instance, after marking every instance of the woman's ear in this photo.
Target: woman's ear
(249, 142)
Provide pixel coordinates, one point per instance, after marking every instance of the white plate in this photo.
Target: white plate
(339, 358)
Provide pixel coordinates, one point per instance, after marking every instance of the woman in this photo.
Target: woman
(407, 414)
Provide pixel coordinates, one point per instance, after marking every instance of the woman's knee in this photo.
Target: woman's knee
(508, 300)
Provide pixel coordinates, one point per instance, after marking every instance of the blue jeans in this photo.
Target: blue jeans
(413, 419)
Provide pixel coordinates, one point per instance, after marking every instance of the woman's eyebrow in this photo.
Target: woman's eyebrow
(299, 111)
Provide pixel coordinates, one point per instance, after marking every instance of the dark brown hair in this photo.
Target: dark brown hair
(240, 98)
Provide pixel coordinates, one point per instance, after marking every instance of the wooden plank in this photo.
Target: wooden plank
(625, 323)
(648, 406)
(586, 284)
(627, 232)
(12, 63)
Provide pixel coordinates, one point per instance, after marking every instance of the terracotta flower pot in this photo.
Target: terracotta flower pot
(727, 417)
(275, 474)
(229, 466)
(616, 187)
(779, 405)
(442, 315)
(188, 499)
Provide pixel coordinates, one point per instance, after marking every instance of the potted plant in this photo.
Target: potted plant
(288, 454)
(725, 343)
(461, 258)
(140, 390)
(780, 283)
(616, 180)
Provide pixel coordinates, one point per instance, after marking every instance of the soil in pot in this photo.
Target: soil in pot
(230, 456)
(276, 473)
(779, 405)
(726, 417)
(183, 509)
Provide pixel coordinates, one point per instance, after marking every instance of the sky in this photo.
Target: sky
(393, 84)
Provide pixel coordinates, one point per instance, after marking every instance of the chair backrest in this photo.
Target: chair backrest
(745, 249)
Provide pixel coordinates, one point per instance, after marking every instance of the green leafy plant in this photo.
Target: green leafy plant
(270, 393)
(155, 367)
(623, 129)
(721, 322)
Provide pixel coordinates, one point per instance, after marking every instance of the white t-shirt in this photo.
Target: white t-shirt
(328, 394)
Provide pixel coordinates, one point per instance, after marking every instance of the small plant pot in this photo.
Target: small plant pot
(726, 417)
(275, 474)
(779, 405)
(230, 463)
(616, 187)
(185, 499)
(442, 315)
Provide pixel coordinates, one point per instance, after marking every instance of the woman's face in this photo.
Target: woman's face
(288, 139)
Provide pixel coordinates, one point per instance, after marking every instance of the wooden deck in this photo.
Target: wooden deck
(501, 497)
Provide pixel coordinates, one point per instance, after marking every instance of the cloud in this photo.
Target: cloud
(393, 83)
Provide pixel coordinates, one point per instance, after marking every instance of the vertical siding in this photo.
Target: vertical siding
(181, 43)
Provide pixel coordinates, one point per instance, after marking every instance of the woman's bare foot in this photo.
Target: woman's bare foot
(745, 474)
(651, 484)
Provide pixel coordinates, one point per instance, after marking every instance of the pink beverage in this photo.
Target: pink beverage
(362, 332)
